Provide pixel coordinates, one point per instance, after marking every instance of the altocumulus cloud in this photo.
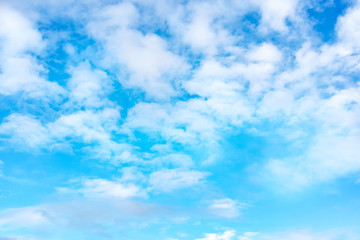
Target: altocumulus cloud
(167, 119)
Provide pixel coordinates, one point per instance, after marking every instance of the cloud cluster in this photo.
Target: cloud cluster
(20, 71)
(155, 88)
(233, 84)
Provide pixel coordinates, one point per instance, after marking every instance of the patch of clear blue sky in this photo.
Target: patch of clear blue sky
(324, 15)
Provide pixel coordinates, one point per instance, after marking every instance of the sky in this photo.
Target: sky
(179, 120)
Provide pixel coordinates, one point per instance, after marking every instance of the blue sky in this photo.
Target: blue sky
(180, 120)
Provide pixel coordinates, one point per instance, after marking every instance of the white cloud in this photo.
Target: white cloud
(95, 130)
(332, 150)
(170, 179)
(275, 12)
(20, 71)
(27, 217)
(86, 125)
(329, 157)
(226, 82)
(248, 86)
(152, 66)
(25, 132)
(279, 101)
(109, 189)
(202, 32)
(227, 235)
(248, 235)
(265, 52)
(91, 128)
(226, 208)
(22, 74)
(88, 87)
(179, 123)
(17, 33)
(348, 29)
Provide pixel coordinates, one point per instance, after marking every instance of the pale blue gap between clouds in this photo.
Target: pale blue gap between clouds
(119, 118)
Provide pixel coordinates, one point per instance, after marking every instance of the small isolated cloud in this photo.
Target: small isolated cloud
(227, 235)
(170, 179)
(226, 208)
(102, 188)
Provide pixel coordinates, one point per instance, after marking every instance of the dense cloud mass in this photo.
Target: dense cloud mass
(179, 120)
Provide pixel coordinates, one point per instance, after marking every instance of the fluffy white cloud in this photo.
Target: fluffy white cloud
(279, 101)
(202, 33)
(17, 33)
(22, 74)
(179, 123)
(87, 125)
(275, 13)
(93, 129)
(88, 87)
(152, 66)
(248, 85)
(20, 71)
(348, 28)
(265, 52)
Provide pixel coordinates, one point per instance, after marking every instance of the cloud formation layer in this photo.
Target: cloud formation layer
(169, 115)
